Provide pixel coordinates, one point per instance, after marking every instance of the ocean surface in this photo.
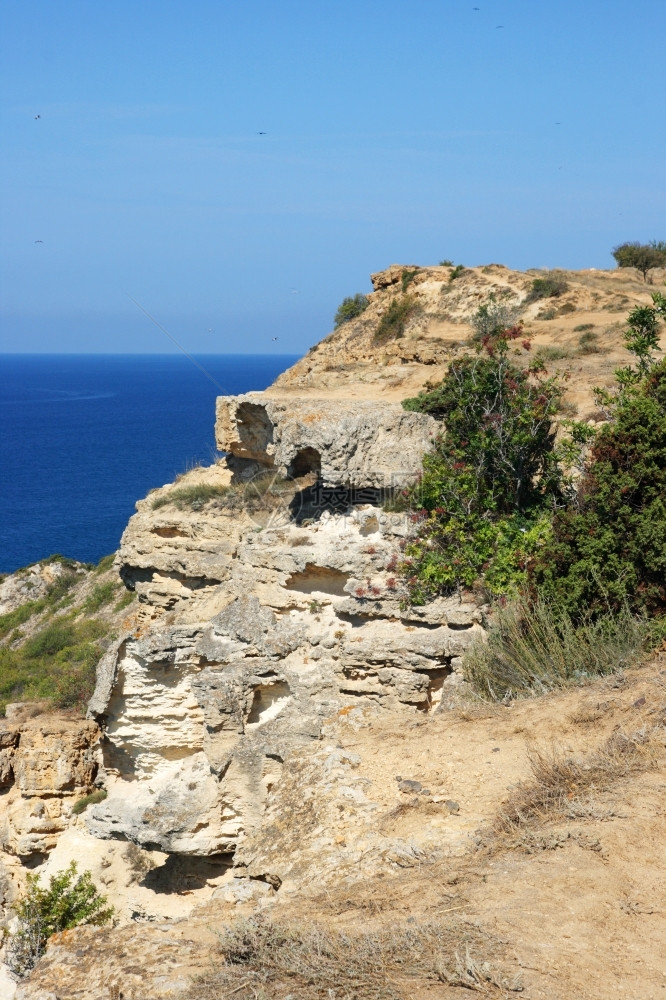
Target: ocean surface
(82, 437)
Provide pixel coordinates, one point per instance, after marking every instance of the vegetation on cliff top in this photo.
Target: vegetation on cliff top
(505, 507)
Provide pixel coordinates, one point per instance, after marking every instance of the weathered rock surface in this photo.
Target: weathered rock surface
(200, 716)
(371, 445)
(45, 766)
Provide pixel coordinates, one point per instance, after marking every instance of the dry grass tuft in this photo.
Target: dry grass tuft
(534, 648)
(266, 960)
(561, 784)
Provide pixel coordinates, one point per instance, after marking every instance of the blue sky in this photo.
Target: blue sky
(395, 133)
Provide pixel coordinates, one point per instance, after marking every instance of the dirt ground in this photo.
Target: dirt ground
(567, 902)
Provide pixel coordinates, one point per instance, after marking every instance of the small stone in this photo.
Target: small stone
(452, 806)
(410, 786)
(639, 703)
(425, 791)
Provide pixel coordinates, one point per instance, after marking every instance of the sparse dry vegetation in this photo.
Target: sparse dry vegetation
(535, 647)
(265, 959)
(561, 782)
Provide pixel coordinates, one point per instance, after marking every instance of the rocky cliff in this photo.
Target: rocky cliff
(269, 610)
(273, 711)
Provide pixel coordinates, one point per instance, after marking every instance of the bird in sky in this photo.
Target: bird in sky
(262, 133)
(39, 241)
(476, 8)
(499, 26)
(37, 116)
(274, 338)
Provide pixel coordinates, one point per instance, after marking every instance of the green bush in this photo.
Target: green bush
(61, 586)
(588, 343)
(69, 901)
(50, 640)
(394, 321)
(101, 595)
(551, 286)
(493, 317)
(487, 487)
(56, 664)
(608, 548)
(534, 647)
(407, 277)
(583, 326)
(125, 600)
(551, 353)
(457, 271)
(105, 563)
(19, 616)
(350, 308)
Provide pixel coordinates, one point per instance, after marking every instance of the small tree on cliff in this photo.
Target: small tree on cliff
(68, 901)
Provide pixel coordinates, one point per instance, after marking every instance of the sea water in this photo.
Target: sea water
(82, 437)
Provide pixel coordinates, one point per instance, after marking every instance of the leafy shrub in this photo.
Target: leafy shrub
(588, 343)
(50, 640)
(446, 263)
(64, 561)
(105, 563)
(101, 595)
(486, 488)
(407, 277)
(551, 286)
(89, 800)
(583, 326)
(69, 901)
(493, 317)
(551, 353)
(547, 314)
(642, 256)
(457, 271)
(350, 308)
(394, 321)
(58, 664)
(608, 548)
(536, 647)
(19, 616)
(61, 586)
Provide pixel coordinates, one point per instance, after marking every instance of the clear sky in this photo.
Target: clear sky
(395, 133)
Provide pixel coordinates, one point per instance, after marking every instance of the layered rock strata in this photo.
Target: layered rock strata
(261, 624)
(46, 765)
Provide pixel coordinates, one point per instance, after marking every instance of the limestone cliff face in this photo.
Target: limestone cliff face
(264, 615)
(45, 766)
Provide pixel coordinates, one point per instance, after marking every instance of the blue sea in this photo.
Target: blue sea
(82, 437)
